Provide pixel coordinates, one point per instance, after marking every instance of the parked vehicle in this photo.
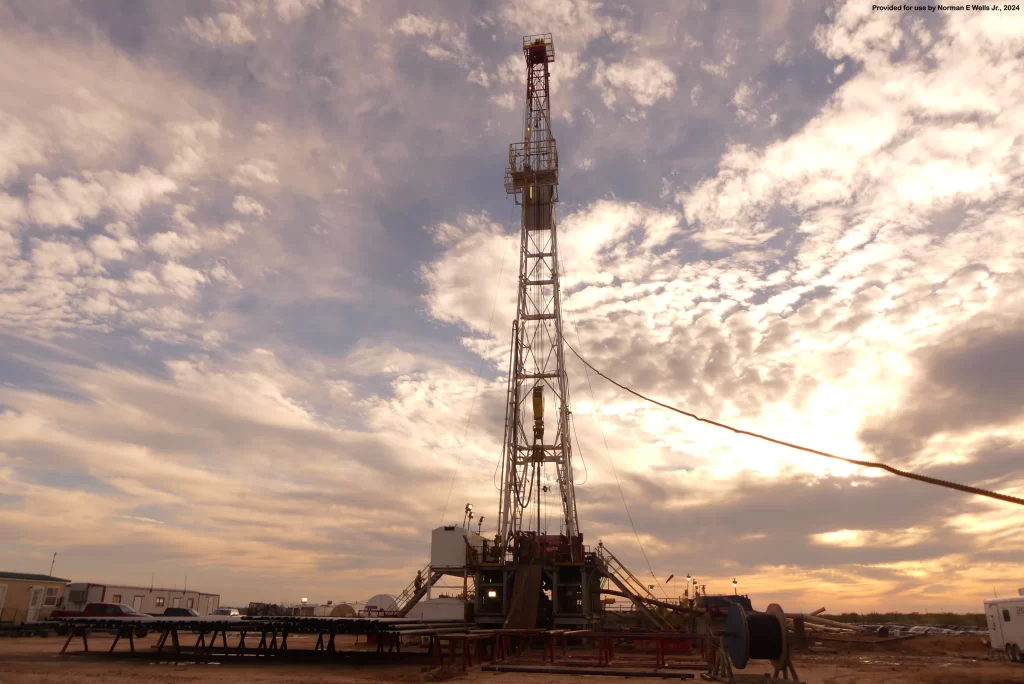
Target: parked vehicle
(180, 612)
(230, 612)
(1005, 617)
(105, 610)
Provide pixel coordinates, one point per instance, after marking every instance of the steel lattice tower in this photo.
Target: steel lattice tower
(537, 363)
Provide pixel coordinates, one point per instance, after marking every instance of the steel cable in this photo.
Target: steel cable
(968, 489)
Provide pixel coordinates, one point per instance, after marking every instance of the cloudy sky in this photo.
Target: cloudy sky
(257, 279)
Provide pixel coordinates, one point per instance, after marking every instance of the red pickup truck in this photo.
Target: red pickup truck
(101, 610)
(104, 611)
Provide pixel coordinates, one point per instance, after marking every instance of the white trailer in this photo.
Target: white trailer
(1005, 617)
(143, 599)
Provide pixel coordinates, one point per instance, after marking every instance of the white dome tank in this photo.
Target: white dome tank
(380, 602)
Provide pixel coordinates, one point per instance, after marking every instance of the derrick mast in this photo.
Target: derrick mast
(537, 483)
(536, 573)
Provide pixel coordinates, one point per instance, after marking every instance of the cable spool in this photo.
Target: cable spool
(757, 636)
(765, 637)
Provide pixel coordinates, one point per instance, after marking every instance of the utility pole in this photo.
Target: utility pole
(537, 360)
(52, 562)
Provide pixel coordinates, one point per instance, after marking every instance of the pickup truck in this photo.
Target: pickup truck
(104, 611)
(176, 612)
(101, 610)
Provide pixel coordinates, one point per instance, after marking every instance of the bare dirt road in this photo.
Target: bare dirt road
(924, 660)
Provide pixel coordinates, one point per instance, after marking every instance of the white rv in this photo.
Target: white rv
(1005, 618)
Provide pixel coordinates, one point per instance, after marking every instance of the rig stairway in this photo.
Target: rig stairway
(412, 595)
(630, 584)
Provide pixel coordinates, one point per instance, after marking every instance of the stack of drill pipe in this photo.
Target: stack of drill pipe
(423, 625)
(823, 622)
(431, 630)
(822, 629)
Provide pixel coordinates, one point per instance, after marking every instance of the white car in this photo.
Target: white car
(230, 612)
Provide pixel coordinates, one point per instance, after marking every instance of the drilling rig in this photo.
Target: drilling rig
(537, 360)
(535, 571)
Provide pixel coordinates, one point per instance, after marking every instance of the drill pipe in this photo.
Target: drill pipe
(663, 604)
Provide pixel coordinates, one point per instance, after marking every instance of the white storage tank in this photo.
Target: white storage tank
(380, 603)
(448, 547)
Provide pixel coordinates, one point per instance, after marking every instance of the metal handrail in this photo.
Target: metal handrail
(545, 151)
(622, 572)
(411, 590)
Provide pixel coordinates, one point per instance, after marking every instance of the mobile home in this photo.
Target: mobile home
(27, 597)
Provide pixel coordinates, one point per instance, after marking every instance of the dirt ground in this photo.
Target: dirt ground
(927, 660)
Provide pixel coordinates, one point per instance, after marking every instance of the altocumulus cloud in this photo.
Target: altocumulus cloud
(253, 315)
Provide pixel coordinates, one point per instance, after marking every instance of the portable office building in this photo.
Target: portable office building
(143, 599)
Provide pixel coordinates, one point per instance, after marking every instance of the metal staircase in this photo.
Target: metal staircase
(630, 584)
(615, 567)
(411, 595)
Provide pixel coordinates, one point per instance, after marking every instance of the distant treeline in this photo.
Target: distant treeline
(945, 619)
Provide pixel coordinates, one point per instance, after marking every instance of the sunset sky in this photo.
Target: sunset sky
(257, 277)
